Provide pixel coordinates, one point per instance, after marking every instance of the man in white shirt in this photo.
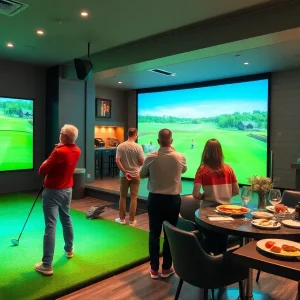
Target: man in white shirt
(129, 158)
(163, 169)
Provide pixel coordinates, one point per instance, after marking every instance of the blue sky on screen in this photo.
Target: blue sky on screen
(206, 101)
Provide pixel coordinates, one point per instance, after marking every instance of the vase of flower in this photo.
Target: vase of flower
(262, 186)
(262, 201)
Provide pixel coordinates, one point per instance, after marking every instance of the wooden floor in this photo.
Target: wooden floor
(136, 283)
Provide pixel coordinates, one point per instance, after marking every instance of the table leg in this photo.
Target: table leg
(249, 280)
(101, 166)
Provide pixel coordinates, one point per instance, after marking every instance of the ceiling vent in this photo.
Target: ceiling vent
(11, 7)
(162, 72)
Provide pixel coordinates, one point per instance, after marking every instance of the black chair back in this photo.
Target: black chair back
(193, 265)
(188, 255)
(290, 198)
(188, 207)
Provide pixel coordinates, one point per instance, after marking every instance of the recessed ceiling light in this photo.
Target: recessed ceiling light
(246, 63)
(40, 32)
(84, 14)
(120, 82)
(10, 45)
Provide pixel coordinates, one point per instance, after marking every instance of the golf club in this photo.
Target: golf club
(15, 242)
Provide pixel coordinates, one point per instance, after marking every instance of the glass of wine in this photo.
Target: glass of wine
(246, 195)
(275, 199)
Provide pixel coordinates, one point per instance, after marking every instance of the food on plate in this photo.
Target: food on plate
(269, 244)
(289, 248)
(280, 208)
(233, 209)
(264, 222)
(262, 215)
(275, 249)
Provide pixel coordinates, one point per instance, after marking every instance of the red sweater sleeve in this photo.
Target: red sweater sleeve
(49, 163)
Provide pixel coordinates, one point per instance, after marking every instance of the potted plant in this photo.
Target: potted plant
(262, 186)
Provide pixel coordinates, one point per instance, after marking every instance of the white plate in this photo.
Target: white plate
(291, 223)
(255, 223)
(278, 242)
(262, 215)
(289, 209)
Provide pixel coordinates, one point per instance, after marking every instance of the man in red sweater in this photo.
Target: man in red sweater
(58, 171)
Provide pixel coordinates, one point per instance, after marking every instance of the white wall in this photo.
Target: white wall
(25, 81)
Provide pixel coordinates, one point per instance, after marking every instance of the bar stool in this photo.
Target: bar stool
(98, 164)
(112, 165)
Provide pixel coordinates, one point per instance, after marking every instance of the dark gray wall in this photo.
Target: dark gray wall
(118, 106)
(75, 110)
(285, 125)
(71, 111)
(25, 81)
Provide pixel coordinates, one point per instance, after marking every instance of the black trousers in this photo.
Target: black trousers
(161, 208)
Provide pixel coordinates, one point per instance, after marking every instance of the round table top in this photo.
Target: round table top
(242, 228)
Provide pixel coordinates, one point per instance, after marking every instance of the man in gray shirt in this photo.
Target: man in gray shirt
(129, 158)
(163, 169)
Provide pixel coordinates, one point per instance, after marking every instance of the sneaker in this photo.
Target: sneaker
(132, 223)
(39, 267)
(153, 274)
(167, 273)
(69, 254)
(121, 221)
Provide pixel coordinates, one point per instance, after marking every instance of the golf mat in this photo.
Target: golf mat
(102, 248)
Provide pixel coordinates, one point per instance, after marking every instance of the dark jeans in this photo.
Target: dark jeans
(161, 208)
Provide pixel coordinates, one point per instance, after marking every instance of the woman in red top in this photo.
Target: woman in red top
(219, 184)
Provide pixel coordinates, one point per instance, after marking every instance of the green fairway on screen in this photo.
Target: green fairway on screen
(236, 114)
(16, 134)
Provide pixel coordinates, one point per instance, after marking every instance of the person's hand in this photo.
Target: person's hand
(128, 176)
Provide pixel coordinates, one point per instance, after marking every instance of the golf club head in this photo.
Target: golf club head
(15, 242)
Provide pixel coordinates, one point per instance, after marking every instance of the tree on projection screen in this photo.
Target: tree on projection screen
(16, 134)
(236, 114)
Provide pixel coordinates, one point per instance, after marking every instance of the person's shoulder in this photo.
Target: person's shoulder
(178, 154)
(228, 168)
(151, 155)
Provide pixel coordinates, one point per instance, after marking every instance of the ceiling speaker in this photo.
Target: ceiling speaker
(83, 68)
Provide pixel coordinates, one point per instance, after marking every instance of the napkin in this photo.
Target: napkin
(220, 218)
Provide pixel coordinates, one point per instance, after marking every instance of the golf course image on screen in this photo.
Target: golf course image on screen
(16, 134)
(236, 114)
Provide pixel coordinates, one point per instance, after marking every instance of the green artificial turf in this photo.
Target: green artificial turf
(102, 248)
(246, 155)
(16, 140)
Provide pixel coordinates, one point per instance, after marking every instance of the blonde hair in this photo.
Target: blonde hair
(70, 131)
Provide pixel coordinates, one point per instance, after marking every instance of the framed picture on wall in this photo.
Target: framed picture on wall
(103, 108)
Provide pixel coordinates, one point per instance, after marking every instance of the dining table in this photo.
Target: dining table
(241, 226)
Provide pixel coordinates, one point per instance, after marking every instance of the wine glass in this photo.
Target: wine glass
(246, 195)
(274, 199)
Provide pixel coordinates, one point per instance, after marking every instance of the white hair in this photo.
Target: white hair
(71, 131)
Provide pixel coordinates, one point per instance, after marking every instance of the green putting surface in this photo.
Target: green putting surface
(102, 248)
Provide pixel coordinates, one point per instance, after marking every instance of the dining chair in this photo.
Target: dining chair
(290, 199)
(194, 266)
(187, 211)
